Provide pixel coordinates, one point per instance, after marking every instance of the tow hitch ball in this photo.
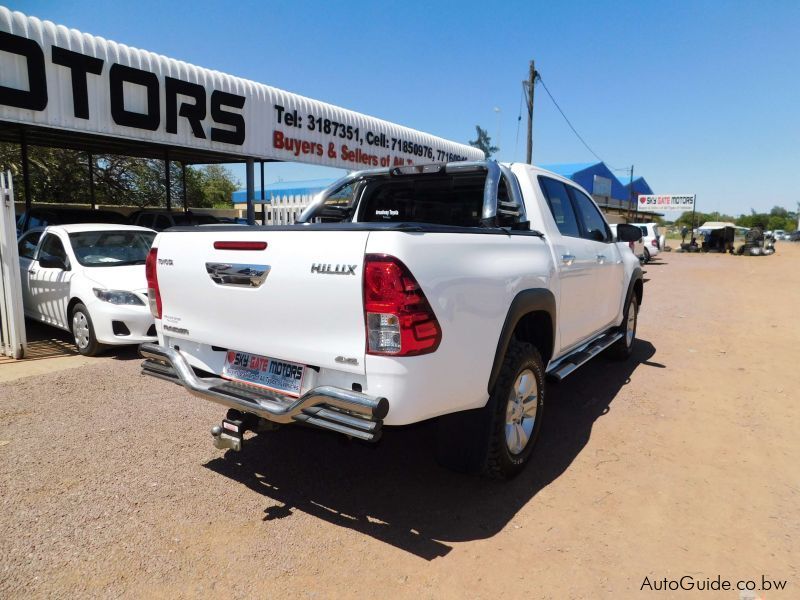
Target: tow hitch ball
(230, 433)
(227, 436)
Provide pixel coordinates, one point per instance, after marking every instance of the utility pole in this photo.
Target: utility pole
(630, 197)
(528, 87)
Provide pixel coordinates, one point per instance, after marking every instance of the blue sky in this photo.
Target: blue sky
(702, 97)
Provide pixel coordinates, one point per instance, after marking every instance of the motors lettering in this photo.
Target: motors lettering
(192, 106)
(265, 365)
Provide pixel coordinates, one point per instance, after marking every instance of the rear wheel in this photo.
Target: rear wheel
(646, 255)
(498, 440)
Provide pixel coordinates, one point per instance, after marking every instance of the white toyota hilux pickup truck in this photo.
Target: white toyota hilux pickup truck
(439, 291)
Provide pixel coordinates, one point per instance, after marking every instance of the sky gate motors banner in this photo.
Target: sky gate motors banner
(55, 77)
(666, 203)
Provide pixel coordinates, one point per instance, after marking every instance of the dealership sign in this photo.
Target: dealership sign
(666, 203)
(60, 78)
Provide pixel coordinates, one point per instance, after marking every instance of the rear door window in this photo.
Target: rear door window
(555, 192)
(593, 225)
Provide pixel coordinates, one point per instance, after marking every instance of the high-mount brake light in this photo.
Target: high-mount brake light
(417, 170)
(399, 318)
(153, 293)
(240, 245)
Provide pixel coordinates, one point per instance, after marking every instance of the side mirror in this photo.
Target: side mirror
(628, 233)
(52, 262)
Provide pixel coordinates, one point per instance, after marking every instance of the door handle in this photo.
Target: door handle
(568, 259)
(601, 258)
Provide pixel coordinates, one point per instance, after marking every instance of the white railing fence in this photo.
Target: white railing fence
(12, 318)
(284, 210)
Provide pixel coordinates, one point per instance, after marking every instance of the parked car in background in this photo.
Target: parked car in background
(160, 220)
(88, 279)
(42, 216)
(779, 234)
(636, 247)
(794, 236)
(233, 220)
(651, 237)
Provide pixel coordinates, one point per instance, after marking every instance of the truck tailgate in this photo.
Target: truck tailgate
(308, 310)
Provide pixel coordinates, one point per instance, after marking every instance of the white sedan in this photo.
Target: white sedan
(89, 279)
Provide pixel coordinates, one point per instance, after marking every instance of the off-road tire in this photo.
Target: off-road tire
(475, 441)
(623, 348)
(92, 347)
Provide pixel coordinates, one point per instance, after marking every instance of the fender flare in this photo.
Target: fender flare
(524, 303)
(637, 275)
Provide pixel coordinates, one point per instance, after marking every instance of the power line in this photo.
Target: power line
(571, 126)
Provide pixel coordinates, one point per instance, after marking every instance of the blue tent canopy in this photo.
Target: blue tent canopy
(583, 174)
(640, 186)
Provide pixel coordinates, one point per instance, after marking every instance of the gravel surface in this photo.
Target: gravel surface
(684, 460)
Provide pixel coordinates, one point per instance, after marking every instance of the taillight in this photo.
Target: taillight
(654, 243)
(153, 293)
(399, 318)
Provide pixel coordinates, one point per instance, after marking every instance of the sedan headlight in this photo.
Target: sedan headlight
(118, 297)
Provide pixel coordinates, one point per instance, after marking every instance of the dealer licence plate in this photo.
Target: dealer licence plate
(279, 375)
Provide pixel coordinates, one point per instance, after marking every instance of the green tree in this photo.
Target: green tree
(483, 142)
(62, 176)
(214, 185)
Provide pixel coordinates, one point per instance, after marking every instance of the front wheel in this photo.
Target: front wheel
(83, 332)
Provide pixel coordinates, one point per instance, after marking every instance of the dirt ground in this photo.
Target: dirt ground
(684, 461)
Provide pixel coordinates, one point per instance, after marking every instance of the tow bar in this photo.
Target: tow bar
(229, 435)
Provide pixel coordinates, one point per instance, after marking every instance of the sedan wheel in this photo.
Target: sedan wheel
(80, 329)
(83, 331)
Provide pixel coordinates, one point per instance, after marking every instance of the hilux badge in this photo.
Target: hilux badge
(328, 269)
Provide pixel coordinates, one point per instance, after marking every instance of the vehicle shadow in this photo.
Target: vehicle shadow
(395, 492)
(45, 341)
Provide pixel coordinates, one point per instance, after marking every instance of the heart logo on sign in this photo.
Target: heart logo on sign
(642, 200)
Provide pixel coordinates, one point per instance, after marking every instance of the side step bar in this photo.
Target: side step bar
(580, 356)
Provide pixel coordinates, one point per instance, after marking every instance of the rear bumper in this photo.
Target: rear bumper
(344, 411)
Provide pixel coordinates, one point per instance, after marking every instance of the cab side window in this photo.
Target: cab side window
(27, 245)
(555, 192)
(593, 225)
(53, 248)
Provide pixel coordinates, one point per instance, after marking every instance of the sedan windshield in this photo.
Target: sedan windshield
(111, 248)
